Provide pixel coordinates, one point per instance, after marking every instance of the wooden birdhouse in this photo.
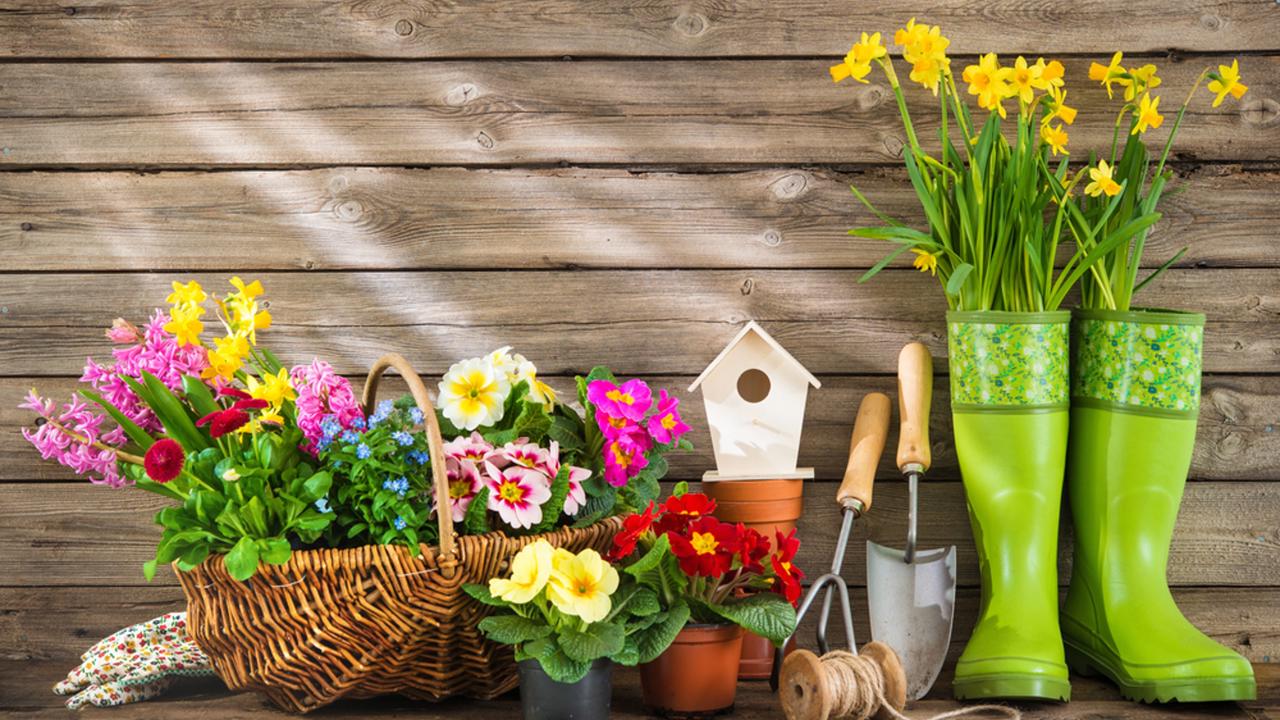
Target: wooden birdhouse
(755, 392)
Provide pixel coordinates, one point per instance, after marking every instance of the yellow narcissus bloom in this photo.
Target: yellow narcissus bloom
(989, 82)
(226, 358)
(1139, 80)
(925, 47)
(1107, 74)
(928, 72)
(1148, 115)
(1058, 108)
(857, 64)
(581, 584)
(1227, 82)
(925, 261)
(248, 292)
(184, 324)
(275, 389)
(1047, 76)
(1056, 137)
(1022, 81)
(474, 393)
(909, 36)
(530, 571)
(189, 294)
(1102, 182)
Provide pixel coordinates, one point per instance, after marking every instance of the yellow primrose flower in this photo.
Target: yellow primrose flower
(1139, 80)
(1102, 182)
(1047, 76)
(989, 82)
(1227, 81)
(581, 584)
(189, 294)
(275, 389)
(184, 324)
(1107, 74)
(1148, 115)
(925, 261)
(1056, 137)
(1058, 108)
(858, 62)
(474, 393)
(530, 571)
(1021, 81)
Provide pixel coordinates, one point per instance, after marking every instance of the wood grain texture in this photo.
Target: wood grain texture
(641, 322)
(405, 29)
(76, 534)
(1237, 438)
(488, 113)
(396, 218)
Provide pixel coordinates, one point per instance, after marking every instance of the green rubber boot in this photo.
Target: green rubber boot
(1009, 404)
(1135, 398)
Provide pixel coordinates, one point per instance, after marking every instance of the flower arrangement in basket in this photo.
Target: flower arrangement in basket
(288, 487)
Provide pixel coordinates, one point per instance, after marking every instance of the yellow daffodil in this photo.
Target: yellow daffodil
(989, 82)
(226, 358)
(530, 571)
(581, 584)
(248, 292)
(1107, 74)
(184, 324)
(189, 294)
(857, 64)
(925, 261)
(1227, 82)
(928, 71)
(1056, 137)
(1102, 182)
(1148, 115)
(275, 389)
(474, 393)
(1058, 108)
(1021, 81)
(265, 416)
(909, 36)
(1139, 80)
(1047, 76)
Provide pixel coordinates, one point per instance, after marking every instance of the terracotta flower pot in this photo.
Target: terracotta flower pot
(765, 506)
(697, 675)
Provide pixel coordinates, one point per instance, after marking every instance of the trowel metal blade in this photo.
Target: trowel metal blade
(912, 606)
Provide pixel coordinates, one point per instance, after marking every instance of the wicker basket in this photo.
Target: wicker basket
(366, 621)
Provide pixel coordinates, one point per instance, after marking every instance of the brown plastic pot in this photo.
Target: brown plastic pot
(766, 506)
(697, 675)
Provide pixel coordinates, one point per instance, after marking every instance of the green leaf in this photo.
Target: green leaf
(958, 276)
(512, 629)
(680, 489)
(599, 640)
(476, 519)
(566, 432)
(766, 614)
(169, 410)
(562, 668)
(655, 640)
(481, 593)
(242, 561)
(650, 560)
(149, 569)
(198, 395)
(317, 486)
(161, 489)
(629, 655)
(275, 551)
(553, 508)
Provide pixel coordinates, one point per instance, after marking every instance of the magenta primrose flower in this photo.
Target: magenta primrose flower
(631, 400)
(624, 458)
(665, 425)
(517, 493)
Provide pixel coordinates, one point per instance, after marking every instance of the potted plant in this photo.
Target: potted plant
(568, 620)
(698, 567)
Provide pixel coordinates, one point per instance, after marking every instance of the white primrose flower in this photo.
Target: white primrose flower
(474, 393)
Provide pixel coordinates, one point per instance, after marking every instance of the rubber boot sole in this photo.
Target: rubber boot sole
(1011, 686)
(1210, 689)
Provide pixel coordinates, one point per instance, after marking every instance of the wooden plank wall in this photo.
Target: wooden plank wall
(623, 183)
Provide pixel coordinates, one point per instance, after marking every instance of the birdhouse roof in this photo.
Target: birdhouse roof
(753, 327)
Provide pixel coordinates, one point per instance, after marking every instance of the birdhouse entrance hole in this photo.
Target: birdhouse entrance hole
(753, 385)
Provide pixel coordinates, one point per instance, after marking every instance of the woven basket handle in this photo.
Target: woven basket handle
(435, 443)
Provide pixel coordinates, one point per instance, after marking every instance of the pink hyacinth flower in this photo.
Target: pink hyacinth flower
(464, 483)
(624, 458)
(517, 493)
(322, 392)
(97, 464)
(630, 400)
(665, 425)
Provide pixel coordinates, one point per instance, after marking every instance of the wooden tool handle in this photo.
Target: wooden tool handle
(865, 449)
(915, 392)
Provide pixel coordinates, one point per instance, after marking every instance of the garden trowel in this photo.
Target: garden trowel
(912, 593)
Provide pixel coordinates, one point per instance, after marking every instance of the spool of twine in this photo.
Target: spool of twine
(844, 686)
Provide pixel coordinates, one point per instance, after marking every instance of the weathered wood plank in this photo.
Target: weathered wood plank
(403, 219)
(58, 623)
(24, 692)
(1236, 439)
(244, 29)
(77, 534)
(485, 113)
(650, 322)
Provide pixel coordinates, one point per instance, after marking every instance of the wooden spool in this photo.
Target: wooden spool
(804, 691)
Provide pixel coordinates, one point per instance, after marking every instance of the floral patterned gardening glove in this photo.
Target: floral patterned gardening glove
(135, 664)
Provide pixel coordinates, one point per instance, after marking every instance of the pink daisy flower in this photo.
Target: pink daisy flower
(517, 493)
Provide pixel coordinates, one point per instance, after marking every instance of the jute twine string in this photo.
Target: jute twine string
(856, 686)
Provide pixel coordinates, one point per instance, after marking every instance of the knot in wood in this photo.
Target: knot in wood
(485, 141)
(1260, 112)
(789, 186)
(772, 238)
(461, 95)
(1211, 22)
(404, 28)
(893, 145)
(747, 286)
(691, 24)
(349, 210)
(338, 185)
(26, 227)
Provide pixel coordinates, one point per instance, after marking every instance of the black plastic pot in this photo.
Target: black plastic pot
(545, 699)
